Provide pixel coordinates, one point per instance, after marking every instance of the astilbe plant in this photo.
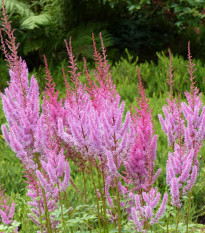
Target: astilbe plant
(141, 161)
(93, 124)
(140, 165)
(22, 133)
(40, 210)
(6, 210)
(88, 128)
(20, 101)
(184, 125)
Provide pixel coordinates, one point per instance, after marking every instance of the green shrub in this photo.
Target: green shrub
(154, 75)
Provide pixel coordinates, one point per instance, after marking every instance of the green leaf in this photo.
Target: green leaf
(14, 6)
(3, 228)
(35, 21)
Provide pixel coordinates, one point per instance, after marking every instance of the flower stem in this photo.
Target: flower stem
(39, 206)
(114, 205)
(84, 186)
(177, 223)
(168, 223)
(48, 222)
(94, 185)
(67, 205)
(61, 206)
(78, 191)
(118, 206)
(188, 211)
(102, 193)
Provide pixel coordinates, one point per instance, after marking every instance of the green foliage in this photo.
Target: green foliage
(39, 28)
(82, 40)
(8, 229)
(4, 77)
(82, 217)
(188, 12)
(10, 166)
(155, 76)
(36, 21)
(182, 12)
(17, 7)
(33, 14)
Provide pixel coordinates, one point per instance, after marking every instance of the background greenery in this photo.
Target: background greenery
(141, 26)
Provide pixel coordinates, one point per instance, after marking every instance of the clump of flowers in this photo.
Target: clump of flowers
(86, 127)
(140, 165)
(6, 210)
(184, 125)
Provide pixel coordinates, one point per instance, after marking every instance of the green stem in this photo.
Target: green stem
(84, 186)
(61, 206)
(93, 181)
(66, 201)
(114, 210)
(39, 206)
(78, 191)
(188, 210)
(146, 225)
(48, 222)
(103, 200)
(168, 224)
(177, 223)
(67, 206)
(118, 206)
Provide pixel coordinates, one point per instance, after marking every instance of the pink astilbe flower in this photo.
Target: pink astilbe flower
(28, 132)
(141, 161)
(93, 122)
(46, 135)
(6, 210)
(191, 181)
(20, 100)
(143, 209)
(175, 192)
(179, 172)
(184, 125)
(105, 88)
(22, 113)
(57, 173)
(37, 203)
(173, 124)
(194, 113)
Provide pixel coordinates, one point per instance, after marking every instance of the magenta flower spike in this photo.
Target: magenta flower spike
(173, 124)
(20, 100)
(37, 202)
(184, 126)
(56, 173)
(141, 161)
(143, 210)
(6, 210)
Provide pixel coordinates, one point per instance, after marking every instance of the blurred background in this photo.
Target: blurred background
(131, 29)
